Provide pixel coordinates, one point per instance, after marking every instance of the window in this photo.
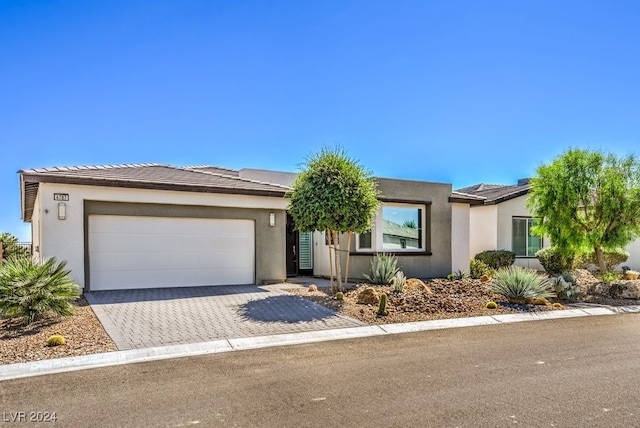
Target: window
(397, 227)
(523, 243)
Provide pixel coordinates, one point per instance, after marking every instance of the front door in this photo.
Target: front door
(299, 250)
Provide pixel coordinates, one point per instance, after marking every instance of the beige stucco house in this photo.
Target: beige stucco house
(503, 221)
(151, 225)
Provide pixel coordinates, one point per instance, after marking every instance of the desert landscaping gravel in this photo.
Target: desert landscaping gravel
(433, 299)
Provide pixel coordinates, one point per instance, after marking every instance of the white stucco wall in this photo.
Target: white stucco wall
(64, 239)
(634, 255)
(516, 207)
(483, 229)
(460, 237)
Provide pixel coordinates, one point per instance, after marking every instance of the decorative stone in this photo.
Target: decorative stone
(415, 283)
(368, 296)
(631, 291)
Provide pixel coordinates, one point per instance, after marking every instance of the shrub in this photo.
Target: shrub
(383, 268)
(56, 340)
(382, 307)
(612, 258)
(478, 268)
(398, 282)
(312, 288)
(10, 247)
(496, 259)
(554, 262)
(609, 276)
(520, 285)
(491, 305)
(457, 275)
(339, 295)
(565, 287)
(30, 290)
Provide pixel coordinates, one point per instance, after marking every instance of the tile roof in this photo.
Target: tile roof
(207, 179)
(496, 193)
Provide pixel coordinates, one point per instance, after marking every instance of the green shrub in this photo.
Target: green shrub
(478, 268)
(612, 258)
(398, 282)
(56, 340)
(339, 295)
(491, 305)
(521, 285)
(457, 275)
(609, 276)
(30, 290)
(565, 287)
(383, 268)
(382, 307)
(554, 262)
(496, 259)
(10, 247)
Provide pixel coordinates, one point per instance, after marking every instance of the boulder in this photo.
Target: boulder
(631, 291)
(415, 283)
(368, 296)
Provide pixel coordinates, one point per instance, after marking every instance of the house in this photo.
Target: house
(503, 221)
(152, 225)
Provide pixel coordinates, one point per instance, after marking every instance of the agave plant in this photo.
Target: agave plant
(521, 285)
(383, 268)
(30, 290)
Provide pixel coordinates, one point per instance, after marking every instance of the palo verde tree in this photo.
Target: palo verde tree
(587, 201)
(335, 194)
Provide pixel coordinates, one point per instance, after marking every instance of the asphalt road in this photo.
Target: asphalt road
(579, 372)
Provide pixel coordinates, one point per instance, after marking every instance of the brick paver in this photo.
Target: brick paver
(169, 316)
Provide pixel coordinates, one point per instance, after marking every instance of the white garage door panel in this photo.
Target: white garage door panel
(149, 252)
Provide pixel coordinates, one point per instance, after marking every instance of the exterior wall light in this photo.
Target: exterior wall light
(62, 211)
(272, 219)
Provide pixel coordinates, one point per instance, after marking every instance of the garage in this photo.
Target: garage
(127, 252)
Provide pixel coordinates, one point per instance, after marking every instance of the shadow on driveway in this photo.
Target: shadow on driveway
(284, 309)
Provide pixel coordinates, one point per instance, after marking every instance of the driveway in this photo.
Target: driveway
(168, 316)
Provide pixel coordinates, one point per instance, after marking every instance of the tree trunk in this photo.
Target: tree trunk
(602, 266)
(346, 270)
(329, 239)
(336, 251)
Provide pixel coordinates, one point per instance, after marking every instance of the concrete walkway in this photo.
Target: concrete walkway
(146, 318)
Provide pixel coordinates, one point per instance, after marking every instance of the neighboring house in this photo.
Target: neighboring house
(150, 225)
(504, 222)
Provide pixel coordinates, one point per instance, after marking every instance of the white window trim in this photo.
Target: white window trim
(377, 230)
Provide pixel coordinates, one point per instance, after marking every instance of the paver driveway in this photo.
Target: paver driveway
(168, 316)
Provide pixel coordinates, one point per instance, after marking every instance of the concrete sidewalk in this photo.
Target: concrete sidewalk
(20, 370)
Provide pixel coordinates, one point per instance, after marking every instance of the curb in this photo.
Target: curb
(83, 362)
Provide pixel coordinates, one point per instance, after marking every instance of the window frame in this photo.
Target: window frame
(528, 235)
(377, 239)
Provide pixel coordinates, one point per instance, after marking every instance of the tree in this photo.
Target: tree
(10, 247)
(333, 193)
(587, 201)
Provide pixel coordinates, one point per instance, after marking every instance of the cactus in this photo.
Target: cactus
(398, 282)
(382, 308)
(56, 340)
(339, 295)
(491, 305)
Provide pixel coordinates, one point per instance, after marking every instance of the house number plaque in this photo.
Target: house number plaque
(61, 197)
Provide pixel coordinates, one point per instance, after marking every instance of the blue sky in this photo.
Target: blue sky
(452, 91)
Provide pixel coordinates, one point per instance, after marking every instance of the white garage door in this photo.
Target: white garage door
(151, 252)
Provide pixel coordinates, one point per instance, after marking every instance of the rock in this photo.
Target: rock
(415, 283)
(313, 288)
(631, 291)
(368, 296)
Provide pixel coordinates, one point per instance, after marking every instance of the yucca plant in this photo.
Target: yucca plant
(383, 268)
(30, 290)
(520, 285)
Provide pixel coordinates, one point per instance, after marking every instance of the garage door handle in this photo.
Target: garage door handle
(294, 251)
